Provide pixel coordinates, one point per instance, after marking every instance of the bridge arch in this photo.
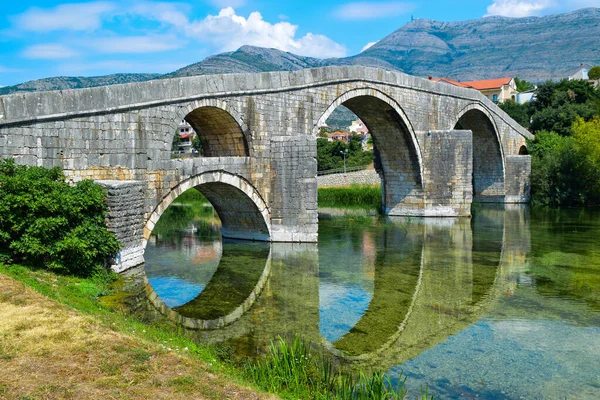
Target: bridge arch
(242, 210)
(222, 131)
(400, 160)
(488, 153)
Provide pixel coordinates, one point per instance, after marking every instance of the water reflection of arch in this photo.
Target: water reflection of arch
(396, 287)
(230, 293)
(459, 280)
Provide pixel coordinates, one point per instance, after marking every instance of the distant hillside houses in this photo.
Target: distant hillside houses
(498, 90)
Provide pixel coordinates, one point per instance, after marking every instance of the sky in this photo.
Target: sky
(47, 38)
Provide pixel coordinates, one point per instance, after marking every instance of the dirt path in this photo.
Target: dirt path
(48, 351)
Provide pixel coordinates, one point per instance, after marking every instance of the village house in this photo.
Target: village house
(498, 90)
(186, 135)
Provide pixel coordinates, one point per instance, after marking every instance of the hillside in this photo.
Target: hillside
(533, 48)
(69, 82)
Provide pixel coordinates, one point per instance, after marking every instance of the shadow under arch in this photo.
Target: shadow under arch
(488, 155)
(395, 143)
(242, 274)
(241, 209)
(221, 130)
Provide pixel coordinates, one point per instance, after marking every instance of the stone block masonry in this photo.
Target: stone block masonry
(365, 177)
(125, 218)
(259, 132)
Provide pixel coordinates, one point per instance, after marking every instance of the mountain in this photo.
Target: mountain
(532, 48)
(248, 59)
(69, 82)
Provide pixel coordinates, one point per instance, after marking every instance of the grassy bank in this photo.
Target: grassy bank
(59, 340)
(66, 344)
(354, 196)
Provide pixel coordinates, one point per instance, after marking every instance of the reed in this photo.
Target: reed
(354, 196)
(294, 369)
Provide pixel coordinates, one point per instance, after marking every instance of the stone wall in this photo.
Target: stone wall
(125, 218)
(365, 177)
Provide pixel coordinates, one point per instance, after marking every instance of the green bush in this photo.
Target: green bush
(47, 223)
(565, 170)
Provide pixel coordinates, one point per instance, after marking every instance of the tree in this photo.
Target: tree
(523, 85)
(197, 143)
(594, 72)
(518, 112)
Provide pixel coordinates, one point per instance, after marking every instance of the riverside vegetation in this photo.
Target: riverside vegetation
(566, 151)
(53, 241)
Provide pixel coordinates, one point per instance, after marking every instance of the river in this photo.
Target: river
(505, 304)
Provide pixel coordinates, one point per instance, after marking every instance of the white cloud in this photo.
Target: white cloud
(367, 46)
(518, 8)
(135, 44)
(373, 10)
(74, 17)
(225, 31)
(229, 31)
(526, 8)
(49, 51)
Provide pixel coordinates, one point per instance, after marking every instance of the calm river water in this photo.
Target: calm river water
(503, 305)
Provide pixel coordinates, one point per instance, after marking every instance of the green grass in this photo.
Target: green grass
(293, 369)
(290, 369)
(83, 295)
(354, 196)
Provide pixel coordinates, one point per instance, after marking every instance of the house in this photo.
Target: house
(186, 134)
(581, 73)
(498, 90)
(337, 135)
(359, 128)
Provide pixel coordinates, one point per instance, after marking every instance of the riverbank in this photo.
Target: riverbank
(57, 341)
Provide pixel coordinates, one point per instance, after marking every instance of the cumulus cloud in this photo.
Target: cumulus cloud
(74, 17)
(367, 46)
(228, 31)
(518, 8)
(526, 8)
(225, 31)
(49, 51)
(373, 10)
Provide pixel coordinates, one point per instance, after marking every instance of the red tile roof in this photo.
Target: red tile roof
(479, 85)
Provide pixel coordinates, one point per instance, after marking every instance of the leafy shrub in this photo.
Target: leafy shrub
(47, 223)
(565, 170)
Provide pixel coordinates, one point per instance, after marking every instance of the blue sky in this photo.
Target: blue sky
(46, 38)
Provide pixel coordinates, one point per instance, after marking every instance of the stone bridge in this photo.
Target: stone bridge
(440, 147)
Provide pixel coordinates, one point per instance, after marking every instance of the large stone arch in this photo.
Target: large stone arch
(242, 210)
(221, 129)
(488, 153)
(401, 164)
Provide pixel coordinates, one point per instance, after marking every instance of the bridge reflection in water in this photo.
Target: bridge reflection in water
(374, 293)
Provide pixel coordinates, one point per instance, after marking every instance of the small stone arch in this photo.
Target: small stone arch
(222, 130)
(523, 151)
(398, 151)
(488, 153)
(242, 210)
